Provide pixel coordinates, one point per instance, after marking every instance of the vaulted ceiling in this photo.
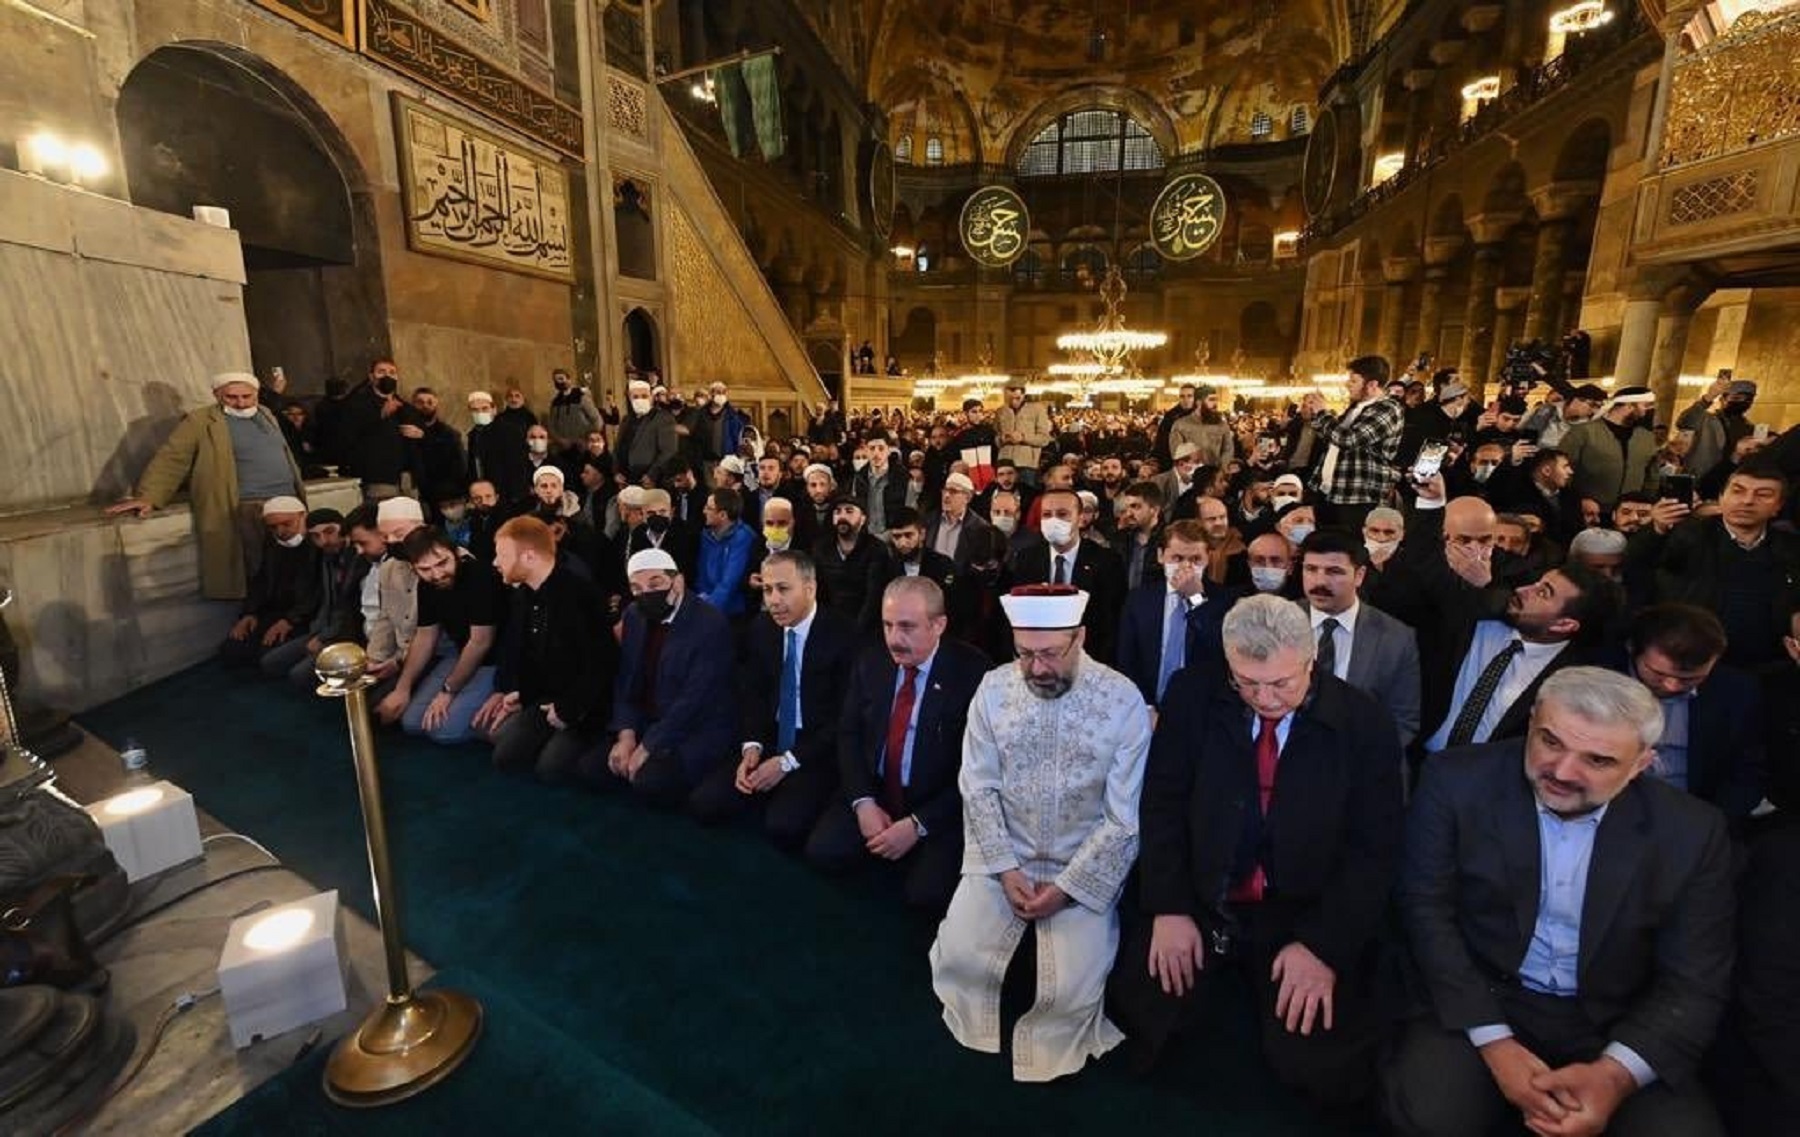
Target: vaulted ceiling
(985, 73)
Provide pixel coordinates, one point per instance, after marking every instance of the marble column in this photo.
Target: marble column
(1509, 303)
(1672, 325)
(1637, 341)
(1431, 309)
(1396, 272)
(1544, 309)
(1478, 317)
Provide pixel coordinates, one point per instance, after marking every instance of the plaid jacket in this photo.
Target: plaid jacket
(1366, 447)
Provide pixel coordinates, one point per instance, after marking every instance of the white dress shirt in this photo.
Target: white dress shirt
(1342, 639)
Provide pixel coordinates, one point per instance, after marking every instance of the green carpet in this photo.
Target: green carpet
(716, 972)
(523, 1076)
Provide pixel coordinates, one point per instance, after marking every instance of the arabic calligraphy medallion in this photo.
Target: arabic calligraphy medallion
(994, 226)
(1188, 216)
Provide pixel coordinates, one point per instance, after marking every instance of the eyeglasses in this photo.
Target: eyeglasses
(1045, 655)
(1284, 686)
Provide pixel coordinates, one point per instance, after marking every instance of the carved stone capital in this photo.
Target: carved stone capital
(1491, 228)
(1561, 201)
(1399, 270)
(1440, 251)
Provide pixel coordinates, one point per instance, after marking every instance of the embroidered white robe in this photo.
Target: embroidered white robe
(1049, 787)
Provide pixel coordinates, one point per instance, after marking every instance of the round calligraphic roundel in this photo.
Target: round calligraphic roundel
(1319, 176)
(1188, 216)
(995, 226)
(881, 188)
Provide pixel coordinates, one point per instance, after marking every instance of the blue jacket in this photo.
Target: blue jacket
(724, 563)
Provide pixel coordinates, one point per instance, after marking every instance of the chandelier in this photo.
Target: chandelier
(1111, 344)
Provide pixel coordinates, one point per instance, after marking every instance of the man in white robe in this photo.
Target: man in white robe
(1053, 761)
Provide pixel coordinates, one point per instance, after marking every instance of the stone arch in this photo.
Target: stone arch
(916, 343)
(641, 341)
(206, 123)
(1584, 154)
(1506, 189)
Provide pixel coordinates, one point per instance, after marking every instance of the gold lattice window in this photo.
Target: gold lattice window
(1714, 197)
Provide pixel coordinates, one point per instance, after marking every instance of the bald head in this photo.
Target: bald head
(1470, 522)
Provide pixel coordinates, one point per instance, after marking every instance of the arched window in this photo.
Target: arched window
(903, 150)
(1090, 141)
(1028, 270)
(1143, 264)
(1261, 125)
(1299, 122)
(1084, 267)
(934, 151)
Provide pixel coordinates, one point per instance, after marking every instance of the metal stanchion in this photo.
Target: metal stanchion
(414, 1039)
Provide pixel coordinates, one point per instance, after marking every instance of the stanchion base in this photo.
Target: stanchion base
(403, 1048)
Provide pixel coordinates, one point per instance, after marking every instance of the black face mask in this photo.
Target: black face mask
(657, 524)
(387, 386)
(653, 606)
(393, 549)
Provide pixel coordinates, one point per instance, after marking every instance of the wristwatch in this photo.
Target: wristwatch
(789, 763)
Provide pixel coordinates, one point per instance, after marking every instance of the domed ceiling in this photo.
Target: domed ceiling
(987, 73)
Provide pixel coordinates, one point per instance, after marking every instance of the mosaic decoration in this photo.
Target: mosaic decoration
(1739, 91)
(473, 197)
(403, 41)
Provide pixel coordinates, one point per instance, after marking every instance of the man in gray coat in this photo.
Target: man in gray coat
(1612, 452)
(1360, 644)
(647, 438)
(1207, 429)
(572, 411)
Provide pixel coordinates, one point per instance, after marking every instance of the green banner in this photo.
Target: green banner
(728, 89)
(765, 105)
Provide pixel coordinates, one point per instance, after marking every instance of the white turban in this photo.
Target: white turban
(283, 504)
(1045, 607)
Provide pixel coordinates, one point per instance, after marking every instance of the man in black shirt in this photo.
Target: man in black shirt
(553, 686)
(448, 674)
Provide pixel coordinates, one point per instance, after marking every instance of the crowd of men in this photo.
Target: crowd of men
(1466, 735)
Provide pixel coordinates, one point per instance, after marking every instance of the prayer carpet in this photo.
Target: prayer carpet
(717, 973)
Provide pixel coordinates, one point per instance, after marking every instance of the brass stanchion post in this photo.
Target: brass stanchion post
(414, 1039)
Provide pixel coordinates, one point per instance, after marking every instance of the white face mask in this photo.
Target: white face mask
(241, 412)
(1267, 578)
(859, 463)
(537, 445)
(1006, 523)
(483, 418)
(718, 400)
(1484, 470)
(293, 542)
(1377, 548)
(1282, 501)
(1299, 533)
(640, 406)
(1057, 531)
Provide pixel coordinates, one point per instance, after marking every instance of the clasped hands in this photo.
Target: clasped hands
(755, 776)
(627, 756)
(1305, 983)
(1577, 1100)
(886, 837)
(1030, 899)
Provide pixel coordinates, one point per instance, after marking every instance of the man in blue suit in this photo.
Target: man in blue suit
(1170, 623)
(792, 689)
(910, 694)
(674, 715)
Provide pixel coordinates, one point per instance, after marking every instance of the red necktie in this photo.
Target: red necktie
(893, 790)
(1268, 754)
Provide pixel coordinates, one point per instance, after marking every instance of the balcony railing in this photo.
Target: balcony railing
(1583, 54)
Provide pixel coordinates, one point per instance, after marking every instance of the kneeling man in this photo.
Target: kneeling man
(1053, 759)
(1271, 826)
(1571, 920)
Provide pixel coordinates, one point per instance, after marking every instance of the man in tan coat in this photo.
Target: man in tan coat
(233, 457)
(1023, 430)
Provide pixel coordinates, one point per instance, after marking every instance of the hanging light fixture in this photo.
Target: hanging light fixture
(1111, 344)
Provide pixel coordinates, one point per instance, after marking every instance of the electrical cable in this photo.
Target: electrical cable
(183, 1003)
(137, 918)
(250, 841)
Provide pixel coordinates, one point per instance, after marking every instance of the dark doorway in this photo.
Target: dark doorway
(210, 124)
(640, 341)
(633, 230)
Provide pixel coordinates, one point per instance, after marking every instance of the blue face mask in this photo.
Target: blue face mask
(1300, 532)
(1267, 578)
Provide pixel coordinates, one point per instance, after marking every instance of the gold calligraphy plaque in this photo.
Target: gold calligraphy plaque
(475, 197)
(995, 225)
(1188, 216)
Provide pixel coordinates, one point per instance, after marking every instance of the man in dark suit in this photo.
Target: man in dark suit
(1756, 1066)
(1064, 558)
(852, 566)
(1712, 740)
(1147, 629)
(1571, 923)
(791, 693)
(661, 530)
(910, 813)
(955, 530)
(1270, 819)
(674, 715)
(1357, 642)
(687, 494)
(910, 555)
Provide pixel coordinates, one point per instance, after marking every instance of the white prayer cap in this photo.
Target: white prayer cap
(733, 464)
(650, 560)
(657, 499)
(227, 378)
(635, 384)
(1598, 543)
(399, 509)
(1186, 450)
(1044, 607)
(632, 497)
(283, 504)
(546, 473)
(1631, 396)
(819, 468)
(959, 482)
(1289, 480)
(479, 397)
